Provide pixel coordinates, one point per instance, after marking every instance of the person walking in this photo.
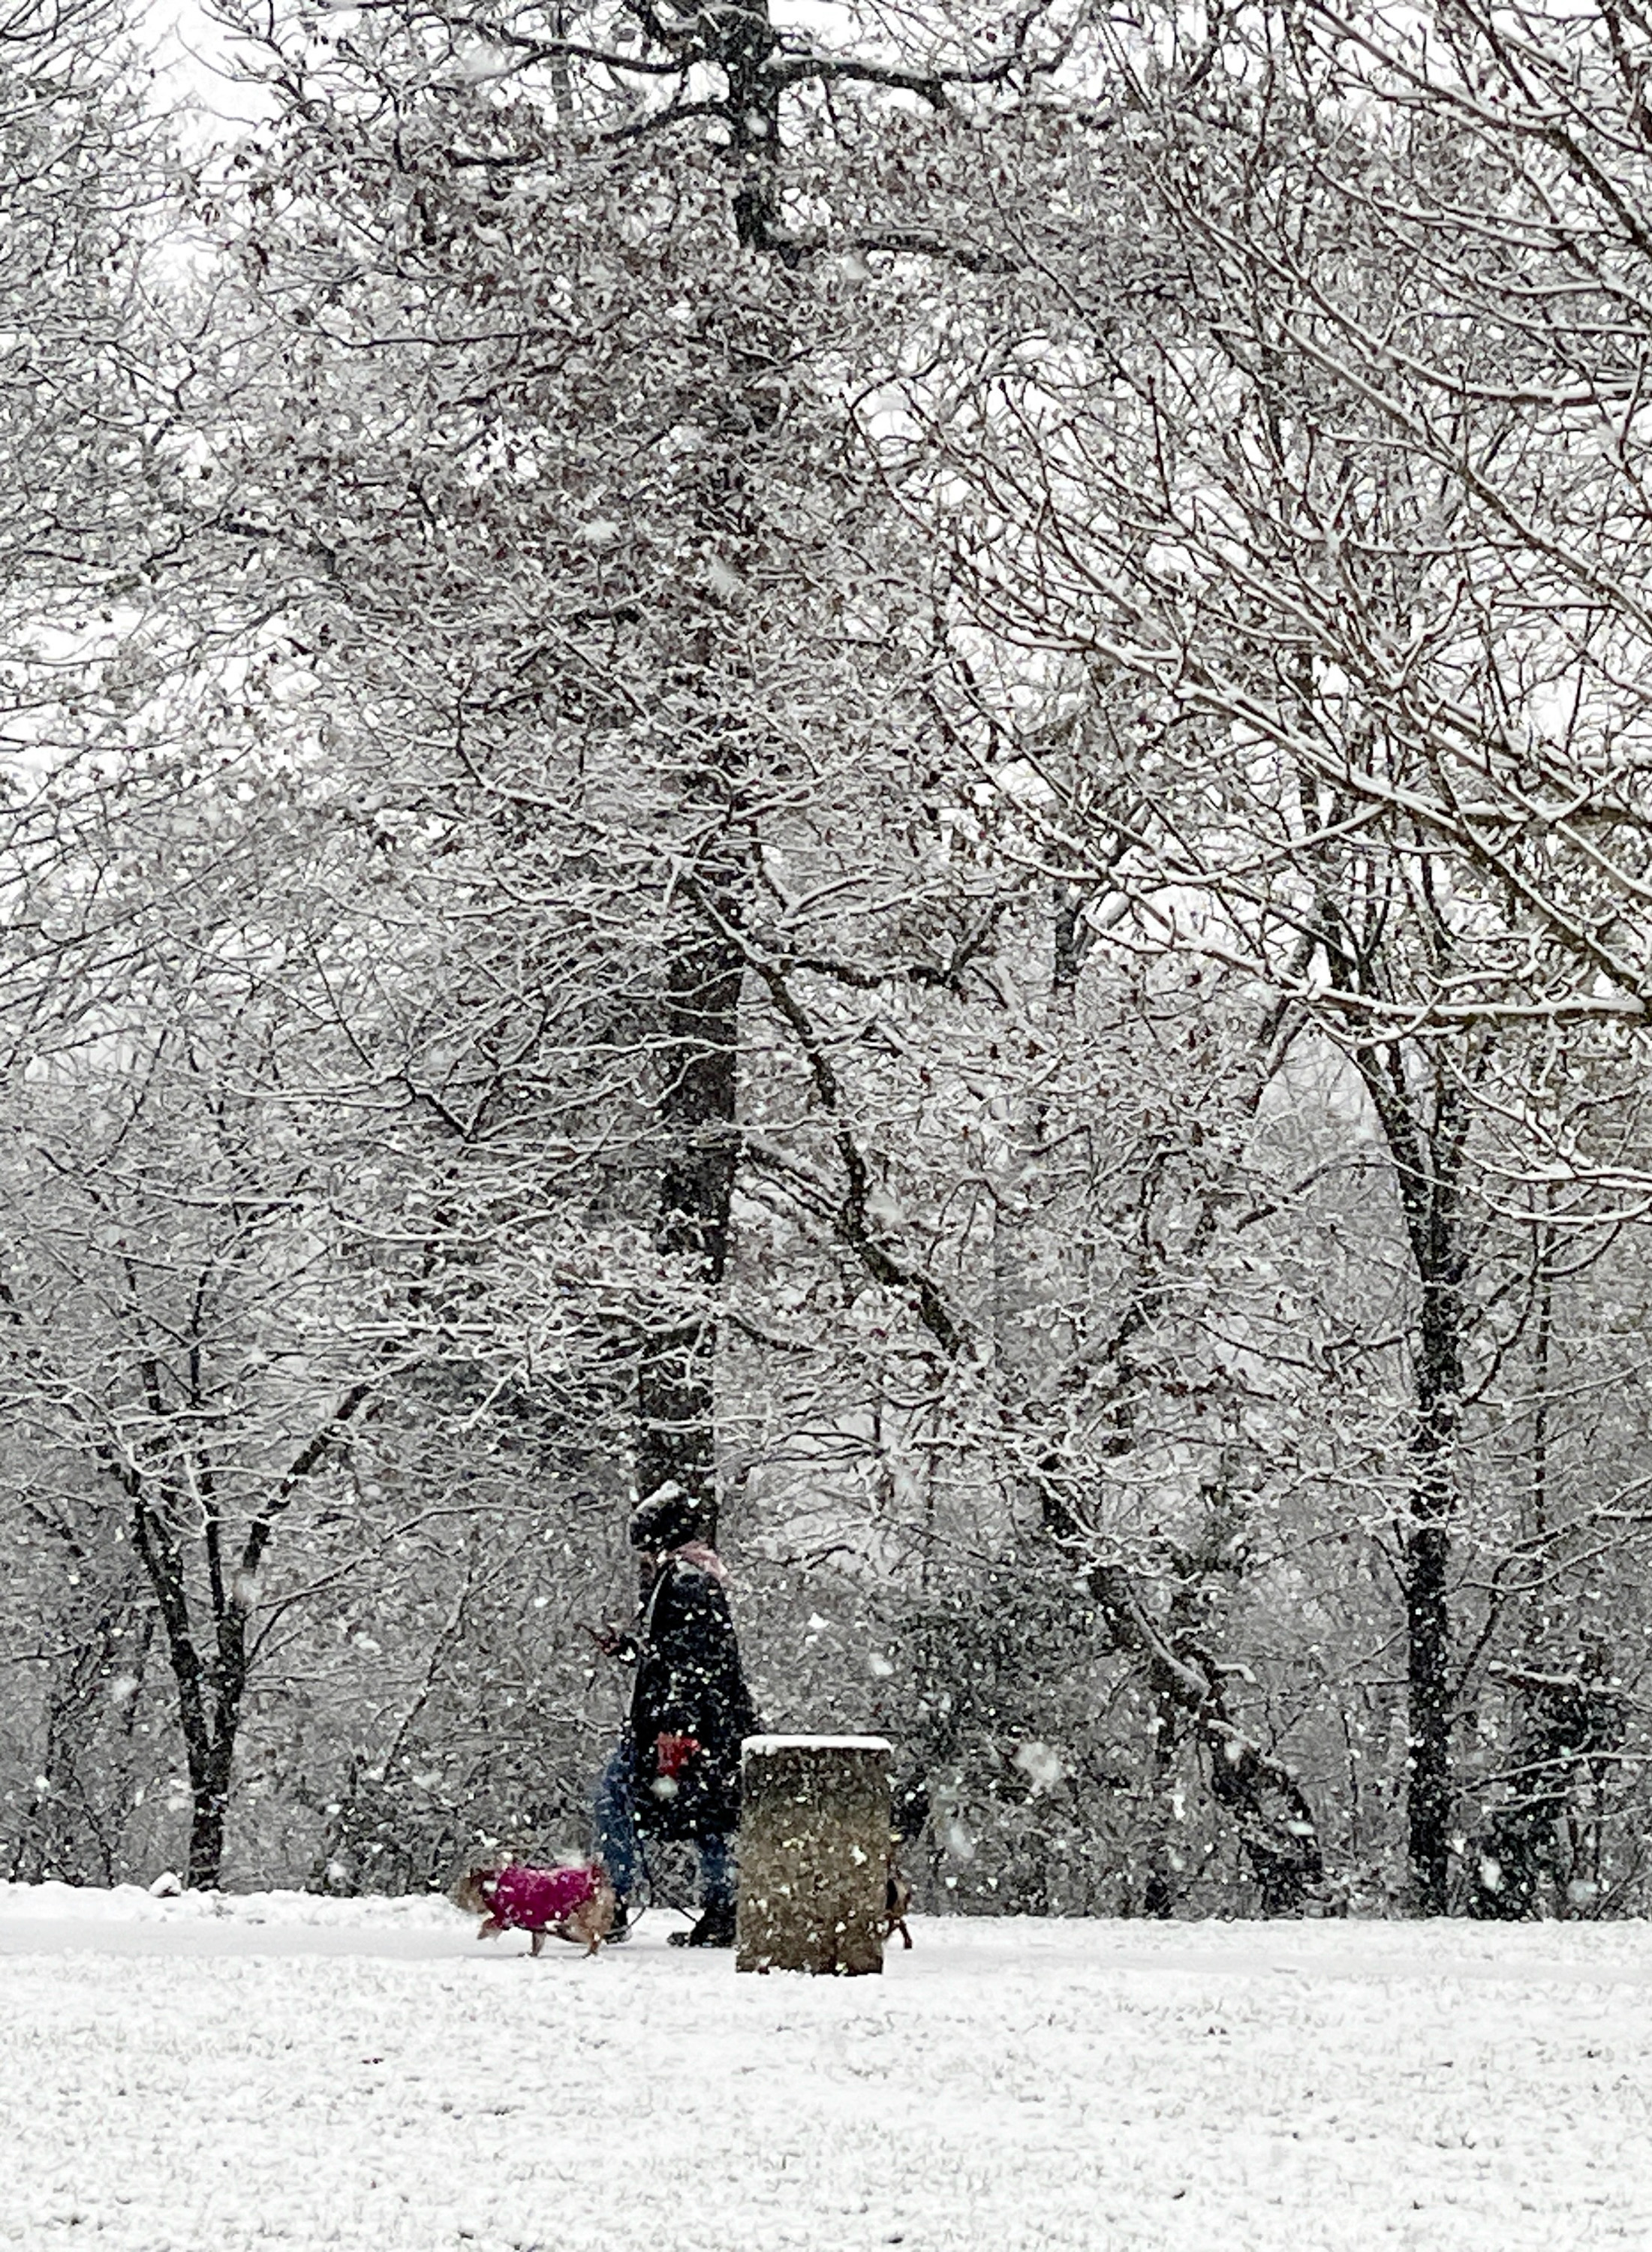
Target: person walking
(675, 1773)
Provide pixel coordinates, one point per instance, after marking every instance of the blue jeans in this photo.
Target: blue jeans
(619, 1847)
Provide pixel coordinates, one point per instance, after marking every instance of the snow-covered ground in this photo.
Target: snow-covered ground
(204, 2075)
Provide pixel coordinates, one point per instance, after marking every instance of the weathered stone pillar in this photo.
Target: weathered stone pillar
(813, 1854)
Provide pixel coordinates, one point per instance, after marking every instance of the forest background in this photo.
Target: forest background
(894, 761)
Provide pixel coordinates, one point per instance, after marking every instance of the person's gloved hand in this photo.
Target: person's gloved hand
(614, 1641)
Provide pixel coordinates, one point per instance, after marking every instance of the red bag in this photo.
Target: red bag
(672, 1754)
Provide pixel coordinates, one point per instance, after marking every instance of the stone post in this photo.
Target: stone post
(813, 1854)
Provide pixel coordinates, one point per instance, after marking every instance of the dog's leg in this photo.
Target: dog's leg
(491, 1927)
(589, 1924)
(538, 1942)
(901, 1926)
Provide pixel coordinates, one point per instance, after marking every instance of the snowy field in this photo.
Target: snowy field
(204, 2075)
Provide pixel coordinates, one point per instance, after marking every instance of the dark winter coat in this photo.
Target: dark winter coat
(691, 1692)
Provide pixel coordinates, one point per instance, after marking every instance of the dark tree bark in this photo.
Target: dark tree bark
(1427, 1136)
(699, 1107)
(737, 49)
(1422, 1097)
(677, 1396)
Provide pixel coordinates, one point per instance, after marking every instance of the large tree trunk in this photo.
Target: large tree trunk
(1426, 1138)
(677, 1384)
(677, 1398)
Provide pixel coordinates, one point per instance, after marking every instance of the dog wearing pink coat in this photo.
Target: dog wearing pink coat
(577, 1903)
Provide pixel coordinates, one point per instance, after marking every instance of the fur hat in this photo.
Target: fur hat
(667, 1518)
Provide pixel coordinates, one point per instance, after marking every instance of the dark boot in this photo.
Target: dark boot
(619, 1929)
(715, 1928)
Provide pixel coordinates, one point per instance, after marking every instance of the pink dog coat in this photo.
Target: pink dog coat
(534, 1899)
